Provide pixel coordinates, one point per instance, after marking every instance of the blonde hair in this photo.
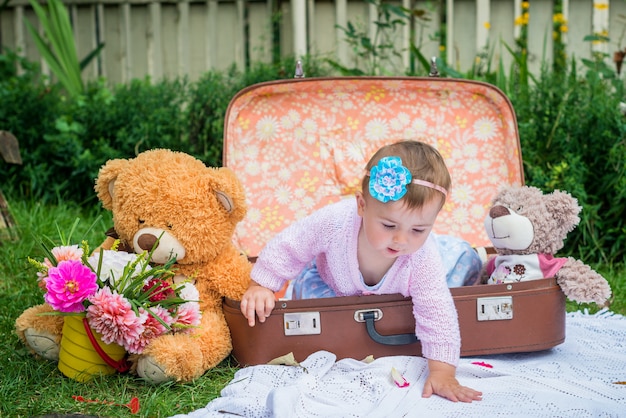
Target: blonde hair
(424, 162)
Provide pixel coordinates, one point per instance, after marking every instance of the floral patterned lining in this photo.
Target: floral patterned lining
(299, 144)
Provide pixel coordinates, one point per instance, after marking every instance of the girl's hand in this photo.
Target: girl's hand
(257, 300)
(441, 381)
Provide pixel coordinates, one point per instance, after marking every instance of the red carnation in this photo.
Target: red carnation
(160, 290)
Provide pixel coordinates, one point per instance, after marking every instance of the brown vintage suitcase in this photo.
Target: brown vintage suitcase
(300, 144)
(504, 318)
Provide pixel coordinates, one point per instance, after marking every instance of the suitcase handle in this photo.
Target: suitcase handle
(397, 339)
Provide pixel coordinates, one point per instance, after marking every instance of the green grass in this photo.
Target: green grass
(33, 387)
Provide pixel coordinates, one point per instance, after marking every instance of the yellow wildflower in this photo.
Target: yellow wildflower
(601, 6)
(487, 25)
(525, 5)
(558, 18)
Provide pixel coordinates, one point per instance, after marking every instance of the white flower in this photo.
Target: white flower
(188, 291)
(419, 125)
(267, 128)
(485, 128)
(376, 129)
(283, 195)
(113, 265)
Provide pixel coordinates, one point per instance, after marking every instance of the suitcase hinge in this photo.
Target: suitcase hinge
(434, 72)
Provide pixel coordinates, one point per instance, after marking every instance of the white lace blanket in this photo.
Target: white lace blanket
(575, 379)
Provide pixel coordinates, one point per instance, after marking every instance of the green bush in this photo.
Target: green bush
(29, 110)
(208, 101)
(572, 134)
(65, 140)
(134, 117)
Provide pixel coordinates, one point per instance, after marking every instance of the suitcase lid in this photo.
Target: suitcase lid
(299, 144)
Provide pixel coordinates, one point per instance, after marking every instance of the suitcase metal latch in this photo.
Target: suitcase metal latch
(494, 308)
(302, 323)
(359, 316)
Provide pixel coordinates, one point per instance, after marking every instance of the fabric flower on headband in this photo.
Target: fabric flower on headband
(388, 179)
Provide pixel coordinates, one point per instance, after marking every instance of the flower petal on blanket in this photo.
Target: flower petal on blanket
(398, 379)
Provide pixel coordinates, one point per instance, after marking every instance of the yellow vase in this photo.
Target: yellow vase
(80, 360)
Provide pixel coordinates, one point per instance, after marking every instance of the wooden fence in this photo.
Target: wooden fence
(170, 38)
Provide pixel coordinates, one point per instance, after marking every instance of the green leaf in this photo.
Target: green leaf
(397, 10)
(59, 48)
(596, 38)
(91, 56)
(415, 52)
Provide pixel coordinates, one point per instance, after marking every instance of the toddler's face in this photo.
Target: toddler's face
(392, 229)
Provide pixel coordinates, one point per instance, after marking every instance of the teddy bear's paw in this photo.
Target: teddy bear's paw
(43, 343)
(151, 371)
(582, 284)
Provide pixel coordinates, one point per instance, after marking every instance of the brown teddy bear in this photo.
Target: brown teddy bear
(526, 228)
(192, 211)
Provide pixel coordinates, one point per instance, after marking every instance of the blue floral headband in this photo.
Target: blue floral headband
(389, 178)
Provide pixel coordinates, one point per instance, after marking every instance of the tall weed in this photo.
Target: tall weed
(378, 53)
(57, 45)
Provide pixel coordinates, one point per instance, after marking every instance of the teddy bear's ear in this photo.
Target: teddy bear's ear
(106, 180)
(505, 193)
(225, 200)
(230, 193)
(564, 208)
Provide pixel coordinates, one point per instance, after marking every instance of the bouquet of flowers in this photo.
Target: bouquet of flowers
(125, 299)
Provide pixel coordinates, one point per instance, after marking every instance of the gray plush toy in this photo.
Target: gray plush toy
(526, 228)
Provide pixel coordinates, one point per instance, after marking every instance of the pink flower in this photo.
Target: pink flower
(68, 285)
(188, 316)
(152, 329)
(67, 252)
(62, 253)
(113, 317)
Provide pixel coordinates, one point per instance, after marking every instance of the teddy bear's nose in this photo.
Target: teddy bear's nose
(497, 211)
(146, 241)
